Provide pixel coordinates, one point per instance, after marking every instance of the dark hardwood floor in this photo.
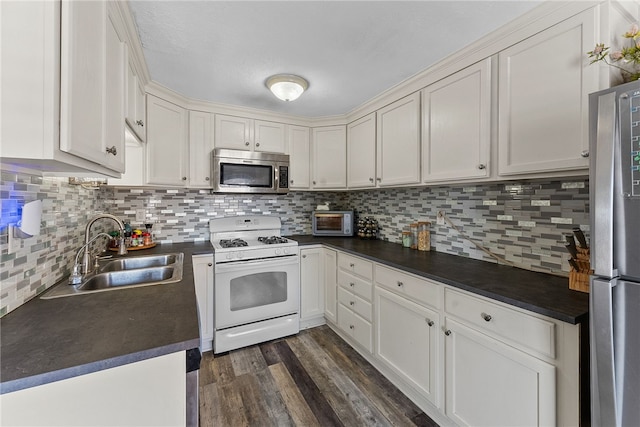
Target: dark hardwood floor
(310, 379)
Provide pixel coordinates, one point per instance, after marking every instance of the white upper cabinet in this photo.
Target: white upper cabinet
(136, 108)
(247, 134)
(456, 131)
(167, 148)
(544, 82)
(329, 159)
(299, 157)
(361, 152)
(398, 141)
(201, 130)
(92, 85)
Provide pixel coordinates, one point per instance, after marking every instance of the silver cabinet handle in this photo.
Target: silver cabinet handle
(378, 179)
(486, 317)
(210, 264)
(206, 178)
(314, 183)
(429, 322)
(184, 178)
(257, 144)
(112, 150)
(352, 302)
(482, 166)
(447, 332)
(584, 153)
(140, 123)
(400, 284)
(304, 256)
(352, 265)
(370, 179)
(352, 284)
(246, 143)
(351, 326)
(292, 181)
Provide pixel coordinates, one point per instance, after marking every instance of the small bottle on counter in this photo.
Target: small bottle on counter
(424, 236)
(414, 235)
(406, 239)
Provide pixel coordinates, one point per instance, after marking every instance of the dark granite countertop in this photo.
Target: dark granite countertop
(537, 292)
(50, 340)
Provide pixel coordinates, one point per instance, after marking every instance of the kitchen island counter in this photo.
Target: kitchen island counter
(541, 293)
(50, 340)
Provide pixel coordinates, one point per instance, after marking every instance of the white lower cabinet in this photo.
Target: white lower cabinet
(489, 383)
(407, 341)
(203, 280)
(311, 287)
(355, 294)
(150, 392)
(330, 285)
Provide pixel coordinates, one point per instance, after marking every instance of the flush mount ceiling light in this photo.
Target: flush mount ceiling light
(287, 87)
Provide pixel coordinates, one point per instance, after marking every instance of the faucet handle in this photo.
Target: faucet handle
(76, 277)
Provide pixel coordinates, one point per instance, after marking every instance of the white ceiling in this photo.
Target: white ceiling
(349, 51)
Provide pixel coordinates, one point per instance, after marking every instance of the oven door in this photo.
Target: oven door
(250, 291)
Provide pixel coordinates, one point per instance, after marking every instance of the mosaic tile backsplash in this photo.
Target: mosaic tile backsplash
(523, 222)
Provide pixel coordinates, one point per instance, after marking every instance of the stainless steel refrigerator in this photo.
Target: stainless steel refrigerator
(614, 183)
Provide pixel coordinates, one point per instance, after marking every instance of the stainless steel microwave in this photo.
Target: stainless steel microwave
(237, 171)
(332, 223)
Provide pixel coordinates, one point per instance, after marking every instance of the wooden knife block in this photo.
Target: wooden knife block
(579, 279)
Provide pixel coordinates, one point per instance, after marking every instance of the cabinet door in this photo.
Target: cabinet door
(141, 113)
(398, 132)
(329, 157)
(200, 148)
(203, 280)
(135, 115)
(167, 151)
(113, 150)
(311, 283)
(407, 341)
(233, 132)
(492, 384)
(269, 137)
(543, 104)
(456, 131)
(134, 175)
(299, 157)
(361, 152)
(83, 78)
(331, 285)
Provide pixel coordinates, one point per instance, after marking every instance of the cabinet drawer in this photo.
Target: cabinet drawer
(355, 303)
(416, 289)
(356, 327)
(355, 265)
(520, 328)
(355, 284)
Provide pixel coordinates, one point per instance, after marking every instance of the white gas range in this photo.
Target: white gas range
(257, 283)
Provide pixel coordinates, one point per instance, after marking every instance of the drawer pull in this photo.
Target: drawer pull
(486, 317)
(352, 302)
(351, 326)
(429, 322)
(447, 332)
(400, 284)
(352, 265)
(352, 284)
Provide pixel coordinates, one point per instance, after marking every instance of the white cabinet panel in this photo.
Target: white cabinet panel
(299, 157)
(456, 128)
(329, 157)
(269, 137)
(201, 126)
(241, 133)
(407, 341)
(489, 383)
(361, 152)
(398, 139)
(311, 284)
(136, 108)
(331, 285)
(167, 149)
(544, 82)
(203, 280)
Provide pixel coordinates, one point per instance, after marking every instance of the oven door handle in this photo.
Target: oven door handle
(239, 265)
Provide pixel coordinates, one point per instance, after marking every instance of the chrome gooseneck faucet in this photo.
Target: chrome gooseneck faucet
(86, 259)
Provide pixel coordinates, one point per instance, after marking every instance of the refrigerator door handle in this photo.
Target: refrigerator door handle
(602, 227)
(603, 383)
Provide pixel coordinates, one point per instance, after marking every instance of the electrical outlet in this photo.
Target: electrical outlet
(141, 215)
(440, 218)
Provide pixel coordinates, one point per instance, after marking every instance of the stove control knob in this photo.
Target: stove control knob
(229, 255)
(240, 255)
(278, 251)
(285, 250)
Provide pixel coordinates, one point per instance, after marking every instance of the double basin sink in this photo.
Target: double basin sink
(126, 272)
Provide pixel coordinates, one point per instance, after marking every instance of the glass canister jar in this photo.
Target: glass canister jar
(406, 239)
(424, 236)
(414, 235)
